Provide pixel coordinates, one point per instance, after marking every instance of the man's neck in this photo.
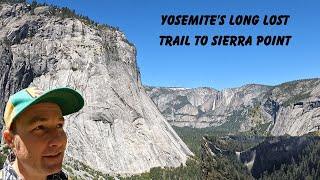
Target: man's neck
(24, 174)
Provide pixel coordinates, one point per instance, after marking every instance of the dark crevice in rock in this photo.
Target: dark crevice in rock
(272, 108)
(136, 114)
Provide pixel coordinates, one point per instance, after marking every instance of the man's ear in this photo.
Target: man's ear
(8, 137)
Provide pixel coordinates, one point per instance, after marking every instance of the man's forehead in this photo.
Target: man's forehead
(37, 118)
(41, 112)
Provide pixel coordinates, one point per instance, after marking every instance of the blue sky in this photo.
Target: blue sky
(218, 67)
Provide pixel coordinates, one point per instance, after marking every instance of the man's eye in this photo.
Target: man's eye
(60, 125)
(40, 127)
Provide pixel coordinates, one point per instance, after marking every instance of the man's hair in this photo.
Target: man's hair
(13, 127)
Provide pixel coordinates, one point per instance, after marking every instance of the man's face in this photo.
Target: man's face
(40, 141)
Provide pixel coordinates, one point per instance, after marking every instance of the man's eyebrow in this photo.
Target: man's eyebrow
(37, 118)
(42, 119)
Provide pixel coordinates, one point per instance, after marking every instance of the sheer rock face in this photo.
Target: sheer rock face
(289, 108)
(119, 130)
(204, 107)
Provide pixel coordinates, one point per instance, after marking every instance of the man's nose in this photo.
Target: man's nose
(57, 138)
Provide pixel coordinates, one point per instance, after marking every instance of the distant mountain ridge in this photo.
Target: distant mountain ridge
(289, 108)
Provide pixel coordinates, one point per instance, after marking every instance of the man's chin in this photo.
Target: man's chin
(53, 164)
(52, 168)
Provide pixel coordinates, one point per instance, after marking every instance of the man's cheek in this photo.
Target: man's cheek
(21, 150)
(65, 139)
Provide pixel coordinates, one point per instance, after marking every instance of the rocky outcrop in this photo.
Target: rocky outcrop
(274, 152)
(119, 130)
(289, 108)
(264, 155)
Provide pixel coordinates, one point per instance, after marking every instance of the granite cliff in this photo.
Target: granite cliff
(119, 130)
(289, 108)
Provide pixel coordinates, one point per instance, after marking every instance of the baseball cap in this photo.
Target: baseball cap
(69, 101)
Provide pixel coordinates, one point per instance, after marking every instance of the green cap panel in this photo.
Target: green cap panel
(67, 99)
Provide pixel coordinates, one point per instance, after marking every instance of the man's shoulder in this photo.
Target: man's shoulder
(61, 175)
(58, 176)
